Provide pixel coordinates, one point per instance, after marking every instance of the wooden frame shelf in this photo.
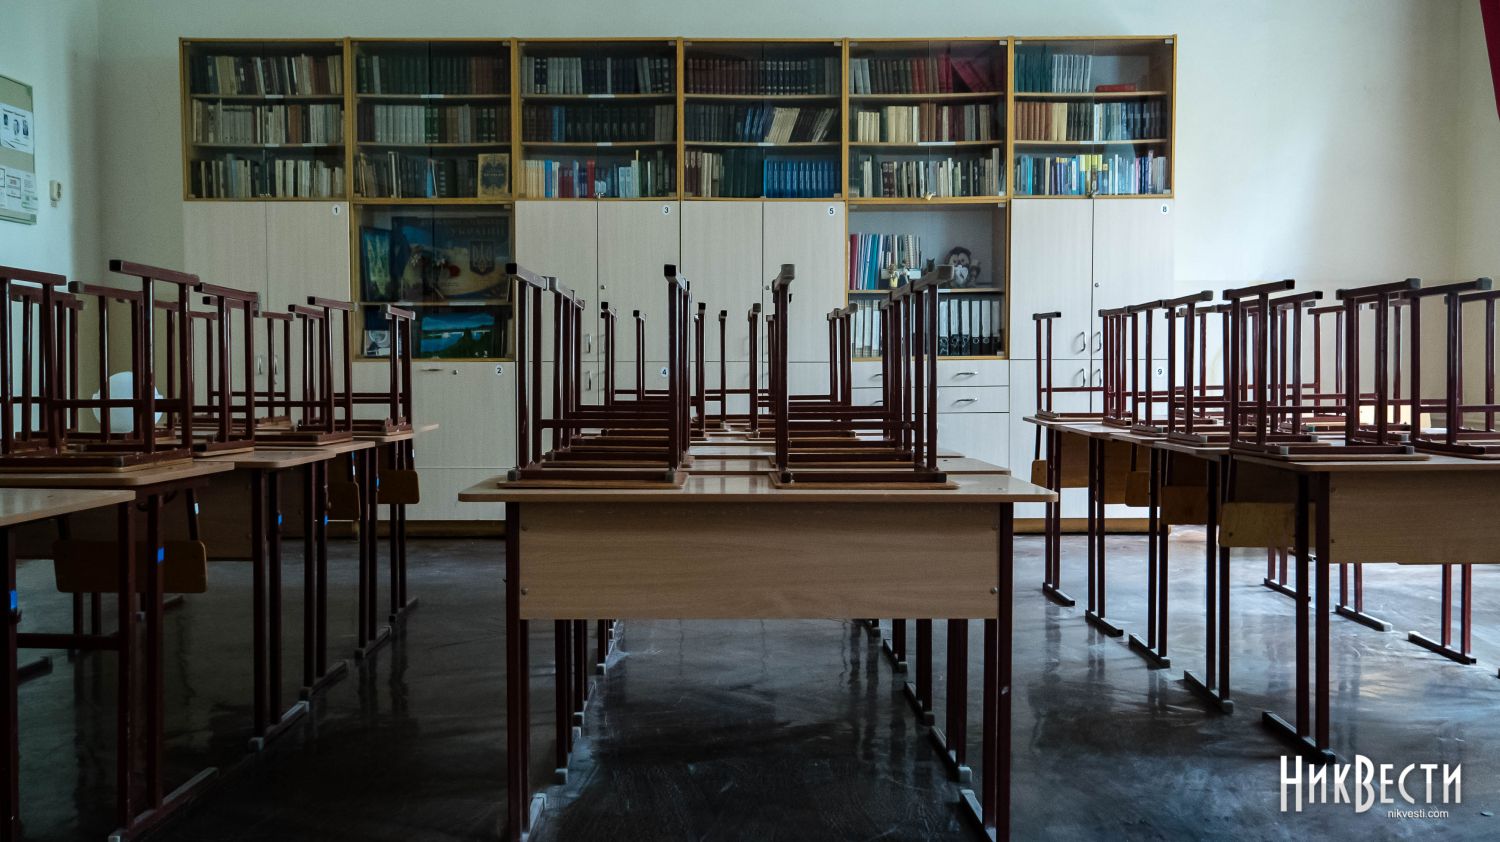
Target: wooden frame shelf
(1153, 57)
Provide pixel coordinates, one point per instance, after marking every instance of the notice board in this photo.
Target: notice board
(18, 198)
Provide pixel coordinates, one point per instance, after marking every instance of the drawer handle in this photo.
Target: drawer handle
(879, 402)
(966, 400)
(965, 373)
(877, 375)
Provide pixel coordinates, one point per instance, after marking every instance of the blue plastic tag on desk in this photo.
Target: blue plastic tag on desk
(15, 602)
(161, 554)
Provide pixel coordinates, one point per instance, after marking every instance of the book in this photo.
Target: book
(494, 175)
(604, 122)
(233, 176)
(752, 173)
(394, 72)
(266, 125)
(247, 75)
(981, 174)
(929, 74)
(1084, 121)
(432, 123)
(637, 174)
(925, 123)
(614, 74)
(763, 76)
(1092, 175)
(376, 282)
(706, 122)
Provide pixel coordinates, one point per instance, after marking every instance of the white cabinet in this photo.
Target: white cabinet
(1051, 257)
(224, 243)
(636, 239)
(561, 238)
(810, 235)
(1132, 251)
(981, 435)
(307, 252)
(721, 256)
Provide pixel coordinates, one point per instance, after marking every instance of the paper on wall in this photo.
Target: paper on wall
(17, 190)
(17, 130)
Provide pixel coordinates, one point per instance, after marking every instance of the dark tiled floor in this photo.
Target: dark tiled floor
(792, 730)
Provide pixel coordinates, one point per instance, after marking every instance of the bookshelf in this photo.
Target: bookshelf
(1093, 116)
(447, 263)
(599, 118)
(762, 119)
(263, 119)
(885, 239)
(927, 119)
(432, 120)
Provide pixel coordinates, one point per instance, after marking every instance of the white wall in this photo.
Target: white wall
(1312, 135)
(54, 47)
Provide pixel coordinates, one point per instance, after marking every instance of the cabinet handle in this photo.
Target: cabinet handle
(1083, 341)
(877, 375)
(965, 373)
(431, 368)
(1083, 377)
(588, 381)
(965, 400)
(1098, 339)
(1095, 380)
(879, 402)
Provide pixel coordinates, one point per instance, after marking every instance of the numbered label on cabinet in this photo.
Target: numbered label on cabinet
(833, 210)
(666, 210)
(663, 371)
(499, 370)
(337, 210)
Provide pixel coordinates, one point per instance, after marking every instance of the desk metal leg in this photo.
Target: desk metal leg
(580, 673)
(1276, 572)
(919, 690)
(1356, 611)
(315, 547)
(991, 807)
(10, 789)
(1299, 736)
(519, 812)
(562, 653)
(952, 738)
(1052, 526)
(1154, 648)
(371, 635)
(285, 717)
(1216, 607)
(259, 526)
(125, 668)
(894, 646)
(1097, 615)
(1444, 645)
(402, 459)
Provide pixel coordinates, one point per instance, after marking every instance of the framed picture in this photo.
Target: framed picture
(377, 333)
(460, 332)
(376, 283)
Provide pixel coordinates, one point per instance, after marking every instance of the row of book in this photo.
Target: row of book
(763, 76)
(237, 177)
(925, 122)
(758, 123)
(1092, 175)
(432, 123)
(968, 326)
(1040, 69)
(1091, 120)
(300, 75)
(398, 175)
(598, 122)
(878, 261)
(266, 125)
(421, 73)
(749, 173)
(925, 178)
(944, 73)
(596, 74)
(641, 176)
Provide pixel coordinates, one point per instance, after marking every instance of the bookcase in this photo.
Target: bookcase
(599, 118)
(263, 119)
(1093, 116)
(890, 243)
(927, 119)
(432, 120)
(762, 119)
(447, 263)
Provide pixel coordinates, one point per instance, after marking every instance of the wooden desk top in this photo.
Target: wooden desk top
(24, 505)
(280, 459)
(114, 479)
(972, 488)
(761, 464)
(1202, 451)
(1434, 462)
(1091, 429)
(387, 438)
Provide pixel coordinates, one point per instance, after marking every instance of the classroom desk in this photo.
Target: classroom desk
(148, 487)
(1367, 510)
(735, 547)
(398, 450)
(17, 507)
(762, 464)
(262, 469)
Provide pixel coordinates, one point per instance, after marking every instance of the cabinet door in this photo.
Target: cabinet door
(812, 236)
(561, 239)
(307, 252)
(474, 407)
(721, 255)
(1050, 256)
(636, 239)
(1132, 251)
(224, 243)
(980, 435)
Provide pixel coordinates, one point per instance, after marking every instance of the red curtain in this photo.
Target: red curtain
(1491, 11)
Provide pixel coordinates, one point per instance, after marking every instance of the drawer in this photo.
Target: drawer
(949, 373)
(965, 399)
